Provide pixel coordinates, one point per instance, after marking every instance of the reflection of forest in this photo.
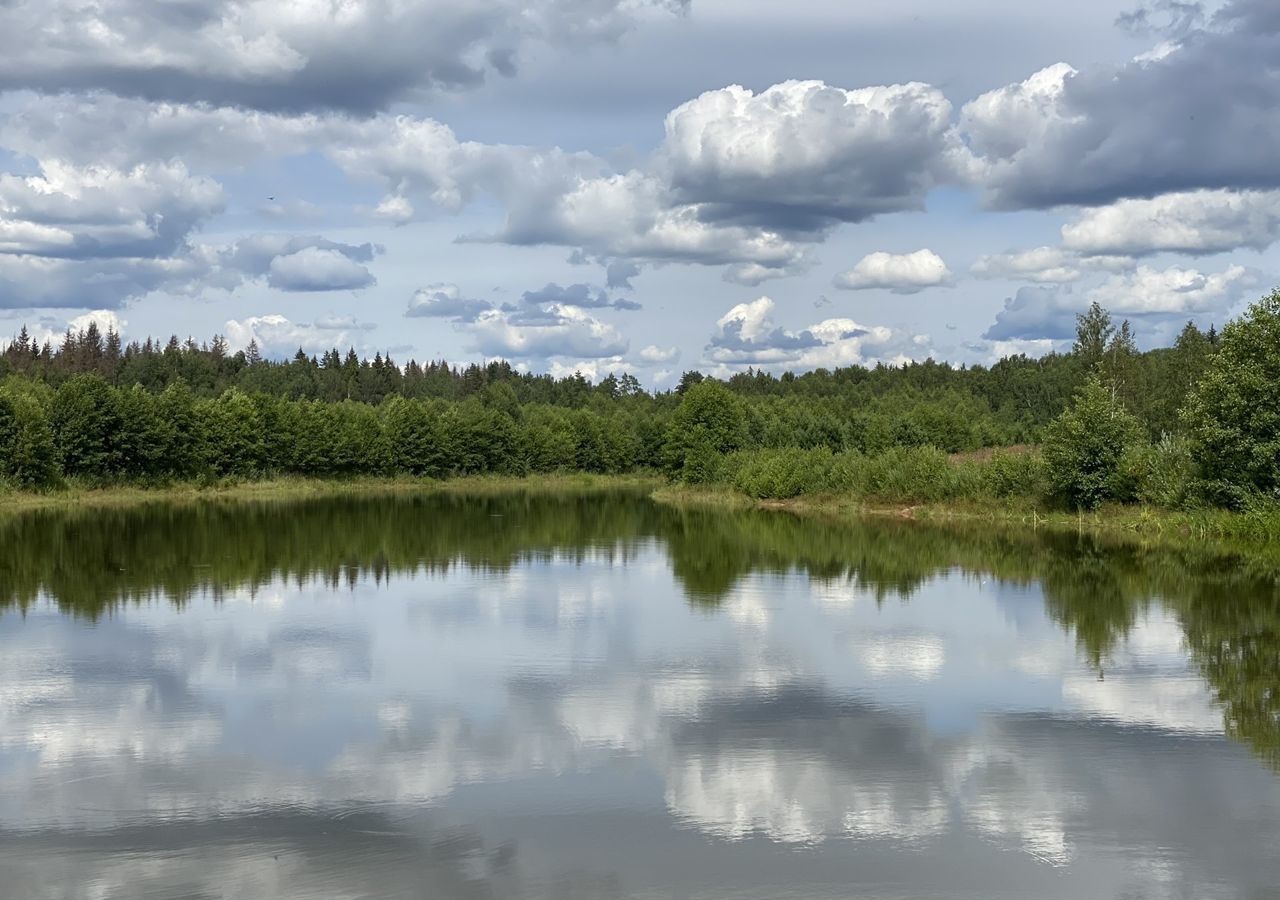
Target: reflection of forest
(91, 561)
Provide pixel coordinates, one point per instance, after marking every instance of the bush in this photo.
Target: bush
(1084, 448)
(1233, 415)
(29, 457)
(1007, 474)
(898, 474)
(710, 421)
(1163, 472)
(780, 474)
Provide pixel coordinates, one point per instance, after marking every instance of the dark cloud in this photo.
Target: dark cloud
(1172, 18)
(1038, 313)
(1202, 113)
(445, 301)
(618, 274)
(583, 296)
(269, 55)
(298, 263)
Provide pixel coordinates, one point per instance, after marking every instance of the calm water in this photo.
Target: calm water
(603, 698)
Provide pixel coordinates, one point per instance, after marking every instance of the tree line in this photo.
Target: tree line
(1195, 422)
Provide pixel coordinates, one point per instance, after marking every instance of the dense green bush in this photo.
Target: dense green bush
(710, 421)
(1085, 446)
(1011, 474)
(1233, 415)
(780, 474)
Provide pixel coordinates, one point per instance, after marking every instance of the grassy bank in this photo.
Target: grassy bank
(1259, 526)
(73, 495)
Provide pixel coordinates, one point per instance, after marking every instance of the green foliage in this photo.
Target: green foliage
(1163, 472)
(709, 421)
(31, 460)
(780, 474)
(884, 433)
(1233, 415)
(86, 426)
(233, 435)
(1008, 474)
(8, 431)
(1085, 446)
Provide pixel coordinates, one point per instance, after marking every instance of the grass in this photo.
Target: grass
(1256, 526)
(1262, 525)
(288, 488)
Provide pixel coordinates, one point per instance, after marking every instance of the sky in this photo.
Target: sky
(648, 186)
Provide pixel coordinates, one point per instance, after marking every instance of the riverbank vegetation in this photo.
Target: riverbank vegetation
(1191, 427)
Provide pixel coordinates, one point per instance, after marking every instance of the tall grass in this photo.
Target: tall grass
(900, 474)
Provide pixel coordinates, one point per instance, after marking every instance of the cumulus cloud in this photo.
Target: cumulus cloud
(1210, 118)
(802, 155)
(1152, 296)
(908, 273)
(747, 336)
(583, 296)
(277, 336)
(1174, 291)
(295, 263)
(1190, 222)
(290, 56)
(71, 212)
(445, 301)
(654, 355)
(317, 269)
(556, 331)
(740, 180)
(1046, 265)
(634, 216)
(97, 236)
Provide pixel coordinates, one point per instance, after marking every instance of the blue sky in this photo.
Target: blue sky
(642, 185)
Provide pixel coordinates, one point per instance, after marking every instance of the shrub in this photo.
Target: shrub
(780, 474)
(1233, 415)
(1084, 447)
(1007, 474)
(1163, 472)
(900, 473)
(709, 421)
(29, 457)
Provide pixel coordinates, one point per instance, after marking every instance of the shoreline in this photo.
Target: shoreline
(290, 488)
(1140, 522)
(1132, 520)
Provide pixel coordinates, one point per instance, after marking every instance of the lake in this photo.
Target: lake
(596, 696)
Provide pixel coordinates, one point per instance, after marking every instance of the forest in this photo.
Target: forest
(1194, 424)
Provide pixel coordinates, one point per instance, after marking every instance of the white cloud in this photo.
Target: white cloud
(1193, 222)
(317, 269)
(1002, 122)
(445, 301)
(1153, 297)
(557, 331)
(908, 273)
(747, 336)
(656, 356)
(277, 336)
(1173, 291)
(802, 155)
(1046, 265)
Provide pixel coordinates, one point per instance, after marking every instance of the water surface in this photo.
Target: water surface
(599, 697)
